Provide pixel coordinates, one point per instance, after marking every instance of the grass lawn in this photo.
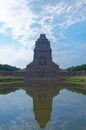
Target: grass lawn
(77, 79)
(7, 79)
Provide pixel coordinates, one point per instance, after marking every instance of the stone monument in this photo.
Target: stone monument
(42, 64)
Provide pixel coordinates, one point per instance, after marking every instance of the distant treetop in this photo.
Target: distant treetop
(7, 67)
(77, 68)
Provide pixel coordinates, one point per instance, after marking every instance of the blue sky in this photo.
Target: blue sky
(63, 22)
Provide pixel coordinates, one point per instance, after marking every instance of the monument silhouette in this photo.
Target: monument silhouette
(42, 64)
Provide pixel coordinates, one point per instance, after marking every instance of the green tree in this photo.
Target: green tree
(77, 68)
(8, 67)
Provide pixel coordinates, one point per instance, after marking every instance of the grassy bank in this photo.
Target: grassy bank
(77, 79)
(7, 79)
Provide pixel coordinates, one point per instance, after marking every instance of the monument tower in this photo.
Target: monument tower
(42, 64)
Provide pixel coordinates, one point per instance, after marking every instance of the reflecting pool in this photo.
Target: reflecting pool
(42, 107)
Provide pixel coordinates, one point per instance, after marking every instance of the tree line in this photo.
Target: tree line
(77, 68)
(7, 67)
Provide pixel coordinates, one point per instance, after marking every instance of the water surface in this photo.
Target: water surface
(42, 107)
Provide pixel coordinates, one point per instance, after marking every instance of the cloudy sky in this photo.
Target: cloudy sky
(63, 22)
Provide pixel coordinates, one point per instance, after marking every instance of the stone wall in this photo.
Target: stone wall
(81, 73)
(11, 73)
(26, 74)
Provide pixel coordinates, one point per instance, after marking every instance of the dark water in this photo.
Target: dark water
(42, 107)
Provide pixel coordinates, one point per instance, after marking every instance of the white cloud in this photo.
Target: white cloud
(19, 57)
(61, 15)
(16, 14)
(66, 13)
(73, 56)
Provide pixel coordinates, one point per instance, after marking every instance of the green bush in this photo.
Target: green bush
(11, 79)
(77, 68)
(8, 67)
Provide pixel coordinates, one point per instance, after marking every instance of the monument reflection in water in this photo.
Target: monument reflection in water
(42, 102)
(68, 111)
